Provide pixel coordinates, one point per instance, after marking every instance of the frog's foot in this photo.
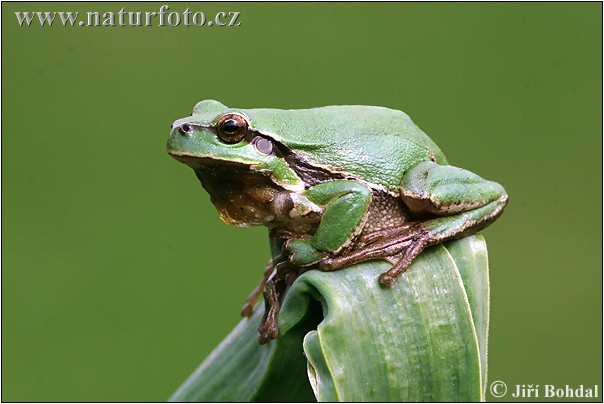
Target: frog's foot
(377, 235)
(400, 246)
(248, 307)
(269, 329)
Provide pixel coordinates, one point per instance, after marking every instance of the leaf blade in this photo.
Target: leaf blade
(423, 339)
(421, 348)
(239, 369)
(471, 258)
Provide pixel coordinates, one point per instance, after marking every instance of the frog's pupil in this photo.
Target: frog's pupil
(231, 126)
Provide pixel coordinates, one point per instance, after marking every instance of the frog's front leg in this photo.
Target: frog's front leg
(345, 205)
(447, 201)
(269, 328)
(248, 307)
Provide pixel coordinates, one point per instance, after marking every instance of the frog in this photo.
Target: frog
(335, 186)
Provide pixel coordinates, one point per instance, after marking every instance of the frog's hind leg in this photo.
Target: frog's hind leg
(400, 246)
(447, 203)
(374, 236)
(392, 244)
(437, 230)
(422, 240)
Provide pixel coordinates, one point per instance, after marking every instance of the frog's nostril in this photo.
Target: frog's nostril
(184, 129)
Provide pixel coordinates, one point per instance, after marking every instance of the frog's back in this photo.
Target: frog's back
(376, 144)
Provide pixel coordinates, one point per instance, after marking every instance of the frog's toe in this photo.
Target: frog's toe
(326, 265)
(386, 280)
(272, 330)
(267, 331)
(246, 310)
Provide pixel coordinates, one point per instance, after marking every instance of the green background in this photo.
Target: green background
(118, 277)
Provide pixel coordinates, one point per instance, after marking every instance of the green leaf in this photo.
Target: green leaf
(470, 256)
(422, 339)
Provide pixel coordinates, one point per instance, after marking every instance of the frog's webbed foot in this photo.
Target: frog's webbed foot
(369, 238)
(248, 307)
(400, 246)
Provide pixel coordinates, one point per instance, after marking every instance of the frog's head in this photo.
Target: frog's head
(217, 135)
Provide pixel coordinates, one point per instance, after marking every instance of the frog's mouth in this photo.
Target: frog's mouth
(287, 177)
(225, 173)
(197, 162)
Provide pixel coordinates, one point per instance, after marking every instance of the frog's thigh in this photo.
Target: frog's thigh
(462, 201)
(346, 203)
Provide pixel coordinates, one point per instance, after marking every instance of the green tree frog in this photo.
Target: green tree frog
(335, 186)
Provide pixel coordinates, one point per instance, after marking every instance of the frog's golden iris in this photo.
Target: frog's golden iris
(231, 128)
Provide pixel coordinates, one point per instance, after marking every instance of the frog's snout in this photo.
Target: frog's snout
(179, 132)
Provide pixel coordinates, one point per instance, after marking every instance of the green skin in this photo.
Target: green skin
(311, 177)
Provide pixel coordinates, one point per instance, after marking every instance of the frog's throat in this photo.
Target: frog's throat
(250, 198)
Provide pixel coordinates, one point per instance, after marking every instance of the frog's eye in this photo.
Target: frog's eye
(231, 128)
